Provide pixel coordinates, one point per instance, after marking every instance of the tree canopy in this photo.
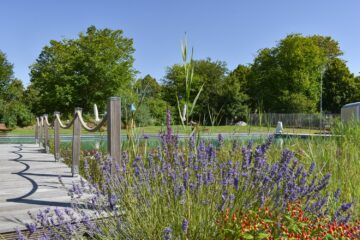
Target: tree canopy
(340, 87)
(83, 71)
(13, 111)
(286, 78)
(207, 73)
(152, 106)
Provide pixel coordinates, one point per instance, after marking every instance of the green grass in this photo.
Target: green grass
(30, 131)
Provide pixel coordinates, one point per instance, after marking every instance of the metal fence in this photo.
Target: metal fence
(294, 120)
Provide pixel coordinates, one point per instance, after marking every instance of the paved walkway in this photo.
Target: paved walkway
(29, 182)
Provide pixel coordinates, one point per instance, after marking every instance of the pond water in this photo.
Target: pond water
(89, 142)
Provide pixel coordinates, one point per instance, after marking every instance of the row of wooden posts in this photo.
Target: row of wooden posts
(113, 119)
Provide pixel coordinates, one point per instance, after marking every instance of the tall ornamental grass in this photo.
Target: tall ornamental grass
(338, 155)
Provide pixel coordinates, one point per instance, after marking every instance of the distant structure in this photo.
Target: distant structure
(350, 111)
(279, 128)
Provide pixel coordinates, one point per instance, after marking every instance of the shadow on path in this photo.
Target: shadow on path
(35, 186)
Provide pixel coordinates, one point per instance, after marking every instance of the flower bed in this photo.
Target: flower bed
(194, 190)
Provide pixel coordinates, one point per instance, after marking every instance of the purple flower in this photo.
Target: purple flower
(136, 165)
(59, 214)
(19, 234)
(236, 183)
(44, 237)
(112, 201)
(210, 176)
(192, 142)
(323, 183)
(185, 225)
(344, 207)
(42, 217)
(221, 139)
(168, 127)
(311, 169)
(186, 179)
(31, 227)
(70, 228)
(337, 195)
(167, 233)
(89, 224)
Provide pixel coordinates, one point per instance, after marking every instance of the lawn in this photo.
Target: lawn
(30, 131)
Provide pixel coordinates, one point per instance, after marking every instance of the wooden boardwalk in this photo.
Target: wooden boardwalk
(29, 182)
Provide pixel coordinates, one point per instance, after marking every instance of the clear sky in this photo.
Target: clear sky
(228, 30)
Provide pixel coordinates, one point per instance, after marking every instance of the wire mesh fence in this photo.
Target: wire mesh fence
(294, 120)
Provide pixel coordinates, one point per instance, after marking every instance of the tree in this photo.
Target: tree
(207, 73)
(339, 86)
(83, 71)
(6, 73)
(234, 93)
(152, 106)
(13, 111)
(286, 78)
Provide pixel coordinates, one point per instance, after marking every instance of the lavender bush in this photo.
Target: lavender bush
(179, 190)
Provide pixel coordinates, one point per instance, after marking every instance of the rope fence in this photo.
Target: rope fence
(112, 119)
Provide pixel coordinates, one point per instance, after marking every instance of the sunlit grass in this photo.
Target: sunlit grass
(30, 131)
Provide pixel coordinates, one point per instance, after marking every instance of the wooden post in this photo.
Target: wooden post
(76, 143)
(113, 129)
(56, 137)
(46, 133)
(37, 131)
(41, 132)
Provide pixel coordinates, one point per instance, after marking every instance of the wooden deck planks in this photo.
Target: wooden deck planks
(29, 182)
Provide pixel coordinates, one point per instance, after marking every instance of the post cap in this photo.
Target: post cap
(114, 98)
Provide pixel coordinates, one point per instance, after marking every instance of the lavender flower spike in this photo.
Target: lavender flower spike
(31, 227)
(185, 225)
(167, 233)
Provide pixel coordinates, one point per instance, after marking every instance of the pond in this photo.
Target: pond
(96, 140)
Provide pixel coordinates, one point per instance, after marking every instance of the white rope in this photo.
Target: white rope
(63, 125)
(86, 127)
(47, 121)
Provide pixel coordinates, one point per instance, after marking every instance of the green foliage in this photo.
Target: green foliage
(151, 91)
(83, 71)
(339, 86)
(286, 78)
(208, 75)
(13, 110)
(234, 96)
(6, 72)
(287, 69)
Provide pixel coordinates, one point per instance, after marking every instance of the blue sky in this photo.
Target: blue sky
(229, 30)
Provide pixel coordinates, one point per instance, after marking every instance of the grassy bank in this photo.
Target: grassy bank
(29, 131)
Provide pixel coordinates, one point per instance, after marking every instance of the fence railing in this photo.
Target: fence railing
(293, 120)
(112, 118)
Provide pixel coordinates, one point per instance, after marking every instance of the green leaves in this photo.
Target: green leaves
(83, 71)
(286, 78)
(13, 110)
(339, 86)
(189, 75)
(208, 87)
